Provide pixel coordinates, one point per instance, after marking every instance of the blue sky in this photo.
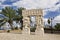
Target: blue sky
(51, 8)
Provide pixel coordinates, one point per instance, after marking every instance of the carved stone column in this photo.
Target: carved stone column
(26, 28)
(39, 28)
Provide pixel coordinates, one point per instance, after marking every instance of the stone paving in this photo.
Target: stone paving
(11, 36)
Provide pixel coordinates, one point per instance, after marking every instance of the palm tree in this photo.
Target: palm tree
(20, 17)
(9, 13)
(20, 11)
(2, 22)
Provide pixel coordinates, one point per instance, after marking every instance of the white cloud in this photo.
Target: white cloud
(45, 21)
(3, 6)
(44, 12)
(36, 3)
(33, 4)
(0, 3)
(2, 0)
(54, 8)
(13, 0)
(57, 19)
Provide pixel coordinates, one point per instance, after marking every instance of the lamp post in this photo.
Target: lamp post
(50, 20)
(51, 24)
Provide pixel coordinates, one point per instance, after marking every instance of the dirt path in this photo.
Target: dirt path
(10, 36)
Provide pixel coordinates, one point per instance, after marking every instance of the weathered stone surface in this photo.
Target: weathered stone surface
(39, 20)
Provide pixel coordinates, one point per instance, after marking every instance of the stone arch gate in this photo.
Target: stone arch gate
(39, 21)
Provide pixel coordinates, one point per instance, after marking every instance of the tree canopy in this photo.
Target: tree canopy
(57, 26)
(12, 15)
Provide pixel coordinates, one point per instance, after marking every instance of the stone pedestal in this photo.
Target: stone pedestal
(26, 30)
(39, 31)
(39, 28)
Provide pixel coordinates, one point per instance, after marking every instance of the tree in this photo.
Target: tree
(57, 26)
(20, 11)
(9, 13)
(48, 21)
(20, 17)
(2, 22)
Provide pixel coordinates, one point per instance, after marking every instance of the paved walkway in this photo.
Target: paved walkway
(10, 36)
(52, 37)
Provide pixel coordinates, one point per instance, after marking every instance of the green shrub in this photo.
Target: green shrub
(8, 31)
(32, 29)
(57, 26)
(16, 28)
